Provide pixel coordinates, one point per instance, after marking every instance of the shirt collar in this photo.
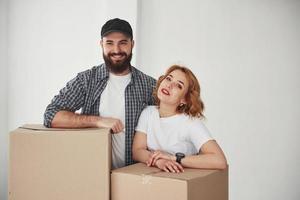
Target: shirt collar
(104, 73)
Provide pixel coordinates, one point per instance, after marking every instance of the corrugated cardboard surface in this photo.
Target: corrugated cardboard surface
(147, 183)
(60, 164)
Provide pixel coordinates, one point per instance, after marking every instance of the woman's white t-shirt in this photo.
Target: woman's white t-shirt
(178, 133)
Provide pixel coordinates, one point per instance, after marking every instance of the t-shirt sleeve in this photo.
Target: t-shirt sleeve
(199, 134)
(142, 125)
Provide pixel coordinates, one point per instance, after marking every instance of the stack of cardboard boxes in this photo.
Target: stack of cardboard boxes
(65, 164)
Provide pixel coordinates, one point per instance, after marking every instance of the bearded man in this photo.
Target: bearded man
(111, 95)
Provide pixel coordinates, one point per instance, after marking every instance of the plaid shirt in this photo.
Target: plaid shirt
(84, 92)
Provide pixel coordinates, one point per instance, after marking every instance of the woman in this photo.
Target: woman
(171, 135)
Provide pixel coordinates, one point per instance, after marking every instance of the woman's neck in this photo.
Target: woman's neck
(167, 110)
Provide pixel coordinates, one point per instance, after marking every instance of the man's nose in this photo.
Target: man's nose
(116, 49)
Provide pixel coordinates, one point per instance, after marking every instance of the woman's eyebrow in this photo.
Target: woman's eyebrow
(181, 82)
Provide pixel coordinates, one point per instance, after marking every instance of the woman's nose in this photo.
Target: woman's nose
(171, 85)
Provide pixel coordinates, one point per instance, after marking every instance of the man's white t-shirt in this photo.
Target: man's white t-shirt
(178, 133)
(112, 104)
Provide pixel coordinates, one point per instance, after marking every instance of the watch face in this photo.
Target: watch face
(180, 155)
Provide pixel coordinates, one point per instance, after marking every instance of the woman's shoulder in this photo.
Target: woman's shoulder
(148, 114)
(192, 121)
(150, 110)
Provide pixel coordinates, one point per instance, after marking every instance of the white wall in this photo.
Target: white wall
(246, 56)
(243, 52)
(3, 99)
(49, 42)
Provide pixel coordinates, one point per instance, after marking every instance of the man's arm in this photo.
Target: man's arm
(70, 98)
(67, 119)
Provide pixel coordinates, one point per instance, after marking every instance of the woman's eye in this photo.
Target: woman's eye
(179, 86)
(168, 78)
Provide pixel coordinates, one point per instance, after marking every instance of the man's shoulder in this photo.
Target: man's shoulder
(97, 72)
(93, 69)
(143, 77)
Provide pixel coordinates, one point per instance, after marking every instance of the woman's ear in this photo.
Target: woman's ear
(183, 101)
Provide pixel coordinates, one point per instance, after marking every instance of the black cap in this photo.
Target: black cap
(116, 25)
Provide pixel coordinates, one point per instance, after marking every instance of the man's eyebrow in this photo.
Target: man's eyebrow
(125, 40)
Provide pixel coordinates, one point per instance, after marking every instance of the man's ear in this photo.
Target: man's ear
(101, 43)
(132, 43)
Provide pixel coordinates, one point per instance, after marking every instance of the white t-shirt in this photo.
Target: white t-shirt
(112, 104)
(178, 133)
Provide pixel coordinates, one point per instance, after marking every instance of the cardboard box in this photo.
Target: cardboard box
(138, 182)
(60, 164)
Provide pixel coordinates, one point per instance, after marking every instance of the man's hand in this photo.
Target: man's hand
(114, 124)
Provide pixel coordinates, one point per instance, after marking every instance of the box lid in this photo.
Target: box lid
(137, 169)
(141, 169)
(39, 128)
(42, 127)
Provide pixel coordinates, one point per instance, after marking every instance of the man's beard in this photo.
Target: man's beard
(119, 67)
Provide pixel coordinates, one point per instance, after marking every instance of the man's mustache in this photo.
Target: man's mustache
(118, 54)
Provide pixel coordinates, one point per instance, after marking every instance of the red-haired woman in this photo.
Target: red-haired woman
(171, 135)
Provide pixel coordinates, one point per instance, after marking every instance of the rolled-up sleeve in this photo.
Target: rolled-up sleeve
(70, 98)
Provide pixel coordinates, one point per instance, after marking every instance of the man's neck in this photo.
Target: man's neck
(122, 73)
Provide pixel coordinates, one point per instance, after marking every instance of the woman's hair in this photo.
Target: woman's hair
(194, 105)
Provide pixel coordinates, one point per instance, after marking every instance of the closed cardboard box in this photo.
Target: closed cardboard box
(138, 182)
(60, 164)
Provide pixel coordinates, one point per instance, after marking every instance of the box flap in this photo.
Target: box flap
(137, 169)
(41, 127)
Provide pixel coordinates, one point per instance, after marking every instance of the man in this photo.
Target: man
(111, 95)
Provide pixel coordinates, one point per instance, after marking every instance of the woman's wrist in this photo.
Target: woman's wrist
(156, 162)
(173, 158)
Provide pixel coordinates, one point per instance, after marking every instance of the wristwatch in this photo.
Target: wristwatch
(179, 156)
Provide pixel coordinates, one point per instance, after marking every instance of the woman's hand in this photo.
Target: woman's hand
(156, 155)
(169, 165)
